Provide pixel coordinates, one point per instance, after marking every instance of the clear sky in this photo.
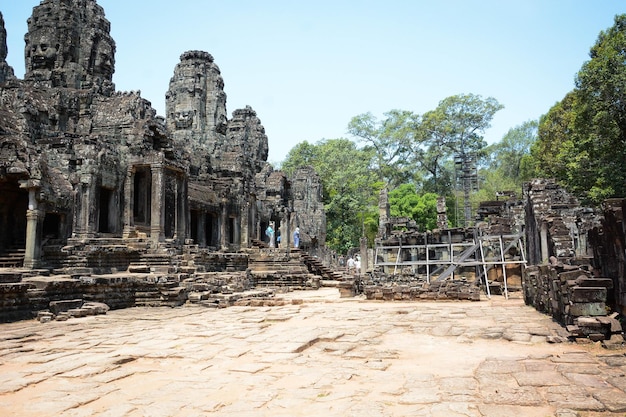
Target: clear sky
(308, 67)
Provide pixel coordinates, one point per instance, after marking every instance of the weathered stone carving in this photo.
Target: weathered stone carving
(6, 72)
(195, 108)
(92, 181)
(68, 45)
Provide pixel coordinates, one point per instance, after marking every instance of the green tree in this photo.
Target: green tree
(455, 130)
(390, 139)
(582, 139)
(302, 154)
(404, 201)
(601, 118)
(506, 157)
(350, 188)
(556, 132)
(510, 151)
(458, 123)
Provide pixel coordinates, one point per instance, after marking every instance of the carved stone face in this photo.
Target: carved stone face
(43, 55)
(103, 63)
(183, 119)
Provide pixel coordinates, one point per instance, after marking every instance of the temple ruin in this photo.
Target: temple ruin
(103, 200)
(565, 260)
(105, 204)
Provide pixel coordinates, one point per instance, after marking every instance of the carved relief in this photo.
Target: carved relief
(183, 119)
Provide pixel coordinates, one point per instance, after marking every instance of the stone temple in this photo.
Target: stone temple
(93, 182)
(104, 202)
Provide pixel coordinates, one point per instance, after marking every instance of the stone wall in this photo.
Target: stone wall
(608, 242)
(412, 288)
(563, 279)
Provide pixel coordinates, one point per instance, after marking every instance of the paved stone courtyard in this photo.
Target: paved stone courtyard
(319, 355)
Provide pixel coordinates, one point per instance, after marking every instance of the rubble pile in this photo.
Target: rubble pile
(412, 288)
(281, 268)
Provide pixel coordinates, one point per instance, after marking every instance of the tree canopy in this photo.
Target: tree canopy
(410, 154)
(350, 188)
(582, 139)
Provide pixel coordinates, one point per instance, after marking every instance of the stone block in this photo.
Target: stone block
(595, 282)
(57, 307)
(96, 308)
(588, 295)
(587, 309)
(10, 277)
(614, 324)
(591, 322)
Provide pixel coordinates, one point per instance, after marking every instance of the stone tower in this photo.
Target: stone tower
(68, 45)
(6, 72)
(245, 147)
(196, 108)
(308, 207)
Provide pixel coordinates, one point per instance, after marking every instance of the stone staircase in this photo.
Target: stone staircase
(14, 301)
(280, 268)
(256, 243)
(12, 258)
(316, 267)
(97, 255)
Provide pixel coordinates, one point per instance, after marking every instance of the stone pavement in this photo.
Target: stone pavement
(317, 356)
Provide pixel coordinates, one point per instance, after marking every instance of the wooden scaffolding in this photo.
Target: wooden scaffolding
(444, 260)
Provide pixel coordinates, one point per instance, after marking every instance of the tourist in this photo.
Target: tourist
(357, 265)
(296, 238)
(269, 232)
(351, 265)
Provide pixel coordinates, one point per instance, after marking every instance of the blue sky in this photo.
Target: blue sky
(308, 67)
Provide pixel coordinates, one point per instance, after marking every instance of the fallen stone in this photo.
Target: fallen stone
(96, 308)
(57, 307)
(615, 342)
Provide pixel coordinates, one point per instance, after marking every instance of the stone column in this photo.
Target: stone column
(85, 215)
(157, 220)
(129, 201)
(181, 212)
(245, 225)
(543, 232)
(34, 219)
(363, 250)
(284, 229)
(383, 214)
(236, 224)
(201, 229)
(224, 225)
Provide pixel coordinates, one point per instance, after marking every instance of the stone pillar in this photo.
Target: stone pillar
(236, 224)
(285, 237)
(224, 225)
(245, 225)
(383, 214)
(201, 229)
(543, 232)
(128, 204)
(157, 212)
(181, 212)
(253, 221)
(85, 215)
(442, 217)
(363, 250)
(34, 219)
